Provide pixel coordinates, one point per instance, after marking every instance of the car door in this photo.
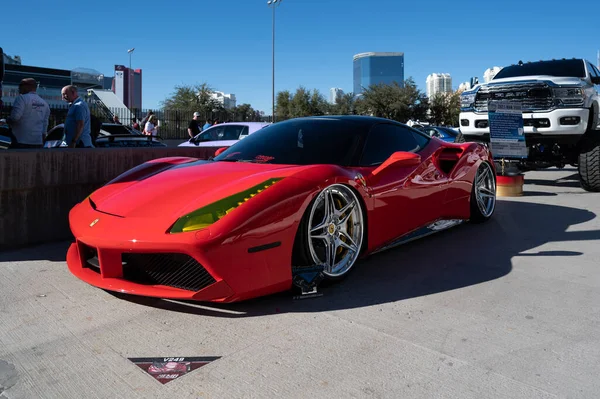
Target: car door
(404, 198)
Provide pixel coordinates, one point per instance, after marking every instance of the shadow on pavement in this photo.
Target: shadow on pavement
(567, 181)
(55, 252)
(463, 256)
(527, 193)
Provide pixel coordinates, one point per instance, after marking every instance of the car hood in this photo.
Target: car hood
(184, 188)
(538, 79)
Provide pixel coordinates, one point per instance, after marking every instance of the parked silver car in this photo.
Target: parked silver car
(224, 134)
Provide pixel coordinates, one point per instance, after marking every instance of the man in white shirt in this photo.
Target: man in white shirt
(29, 116)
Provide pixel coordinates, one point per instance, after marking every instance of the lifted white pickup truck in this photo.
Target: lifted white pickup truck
(561, 107)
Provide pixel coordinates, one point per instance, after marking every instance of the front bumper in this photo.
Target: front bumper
(128, 255)
(474, 123)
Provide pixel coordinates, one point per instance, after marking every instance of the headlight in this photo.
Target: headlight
(209, 214)
(467, 100)
(569, 95)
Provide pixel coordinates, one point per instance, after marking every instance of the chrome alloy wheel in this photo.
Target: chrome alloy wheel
(485, 189)
(335, 230)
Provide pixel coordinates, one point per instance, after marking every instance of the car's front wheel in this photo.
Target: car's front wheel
(331, 233)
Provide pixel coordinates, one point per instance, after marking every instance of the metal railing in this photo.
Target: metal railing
(173, 122)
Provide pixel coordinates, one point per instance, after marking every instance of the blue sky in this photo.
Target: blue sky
(227, 44)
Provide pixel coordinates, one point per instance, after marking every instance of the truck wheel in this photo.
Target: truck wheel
(589, 162)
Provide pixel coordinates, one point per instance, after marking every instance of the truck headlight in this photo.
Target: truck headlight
(467, 100)
(569, 96)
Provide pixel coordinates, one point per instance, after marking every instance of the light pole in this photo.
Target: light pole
(129, 80)
(273, 4)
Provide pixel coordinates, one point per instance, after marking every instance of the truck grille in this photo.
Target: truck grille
(169, 269)
(533, 96)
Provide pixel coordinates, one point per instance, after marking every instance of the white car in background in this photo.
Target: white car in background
(224, 134)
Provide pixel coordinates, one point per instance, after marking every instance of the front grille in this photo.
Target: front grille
(89, 257)
(169, 269)
(533, 96)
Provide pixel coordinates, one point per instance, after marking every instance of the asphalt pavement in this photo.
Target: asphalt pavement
(506, 309)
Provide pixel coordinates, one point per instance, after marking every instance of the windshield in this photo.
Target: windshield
(562, 68)
(303, 141)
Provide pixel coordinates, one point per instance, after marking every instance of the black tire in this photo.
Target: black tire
(589, 162)
(478, 215)
(459, 138)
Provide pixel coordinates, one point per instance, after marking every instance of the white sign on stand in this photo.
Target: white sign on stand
(507, 137)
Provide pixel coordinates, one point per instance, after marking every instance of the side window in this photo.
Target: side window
(432, 132)
(423, 140)
(245, 132)
(204, 136)
(218, 133)
(592, 70)
(384, 140)
(232, 132)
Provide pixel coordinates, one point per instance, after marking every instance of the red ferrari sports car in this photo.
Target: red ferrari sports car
(308, 192)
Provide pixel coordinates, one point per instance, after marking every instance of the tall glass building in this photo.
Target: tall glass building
(376, 68)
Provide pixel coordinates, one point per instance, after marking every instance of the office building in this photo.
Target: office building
(334, 94)
(228, 101)
(127, 86)
(377, 68)
(490, 73)
(464, 86)
(438, 83)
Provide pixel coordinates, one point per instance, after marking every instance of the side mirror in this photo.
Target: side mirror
(596, 80)
(220, 150)
(399, 159)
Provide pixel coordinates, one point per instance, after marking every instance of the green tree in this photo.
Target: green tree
(193, 98)
(437, 108)
(344, 105)
(445, 108)
(282, 107)
(453, 113)
(417, 101)
(300, 103)
(394, 101)
(318, 104)
(244, 112)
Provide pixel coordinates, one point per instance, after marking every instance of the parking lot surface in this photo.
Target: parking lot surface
(506, 309)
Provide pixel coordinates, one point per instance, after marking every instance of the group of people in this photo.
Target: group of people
(30, 114)
(194, 127)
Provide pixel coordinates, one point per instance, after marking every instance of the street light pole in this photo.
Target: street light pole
(272, 4)
(129, 80)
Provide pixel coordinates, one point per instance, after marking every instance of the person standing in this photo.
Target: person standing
(78, 132)
(146, 118)
(207, 125)
(29, 116)
(194, 126)
(151, 128)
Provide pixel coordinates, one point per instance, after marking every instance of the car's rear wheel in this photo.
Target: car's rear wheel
(332, 232)
(483, 194)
